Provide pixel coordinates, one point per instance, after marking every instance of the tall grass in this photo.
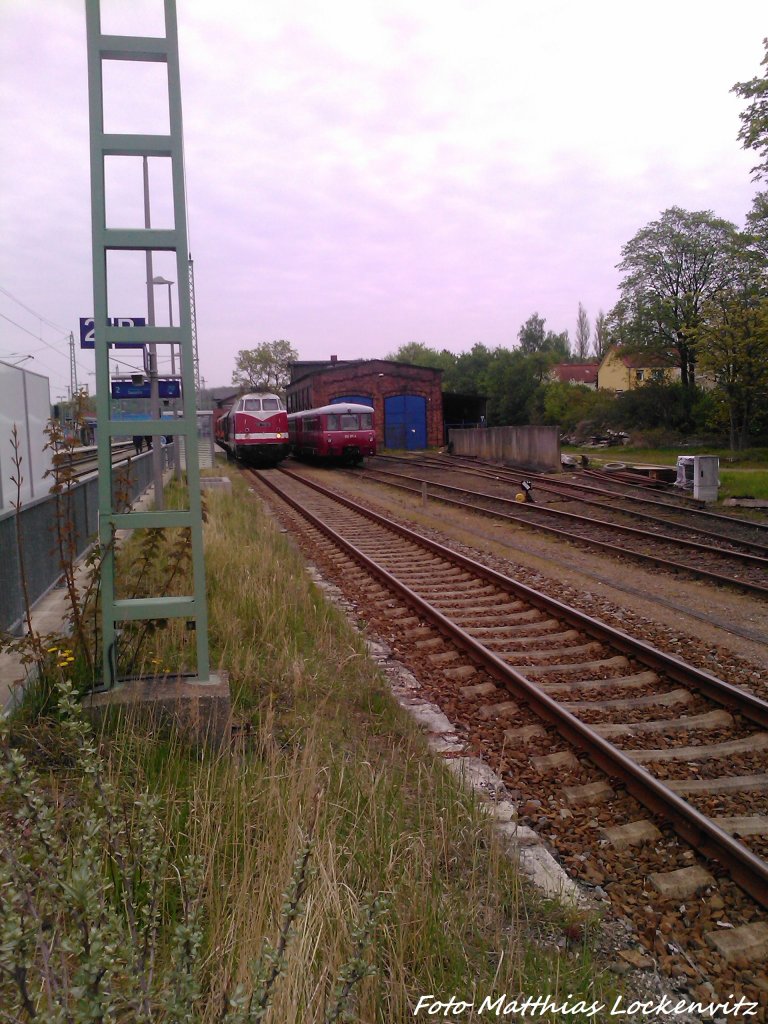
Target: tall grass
(401, 889)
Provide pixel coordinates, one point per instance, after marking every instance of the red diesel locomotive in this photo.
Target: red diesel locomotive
(343, 432)
(255, 429)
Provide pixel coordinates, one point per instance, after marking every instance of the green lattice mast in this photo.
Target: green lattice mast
(192, 608)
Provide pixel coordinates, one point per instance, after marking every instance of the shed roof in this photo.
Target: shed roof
(301, 369)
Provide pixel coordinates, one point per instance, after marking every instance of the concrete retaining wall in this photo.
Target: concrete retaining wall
(534, 447)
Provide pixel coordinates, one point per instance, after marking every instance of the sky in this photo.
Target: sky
(366, 173)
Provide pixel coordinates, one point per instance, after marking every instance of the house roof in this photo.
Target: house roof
(643, 360)
(580, 373)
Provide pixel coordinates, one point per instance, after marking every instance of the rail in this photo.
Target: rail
(746, 868)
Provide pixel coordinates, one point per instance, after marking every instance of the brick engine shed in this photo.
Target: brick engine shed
(407, 400)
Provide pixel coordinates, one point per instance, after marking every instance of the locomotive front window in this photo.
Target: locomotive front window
(271, 404)
(252, 404)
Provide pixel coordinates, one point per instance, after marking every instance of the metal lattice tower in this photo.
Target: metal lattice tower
(193, 325)
(73, 387)
(192, 607)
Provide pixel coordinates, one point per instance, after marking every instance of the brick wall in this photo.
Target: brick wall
(379, 379)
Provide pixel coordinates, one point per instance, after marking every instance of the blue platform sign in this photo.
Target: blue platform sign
(87, 338)
(127, 389)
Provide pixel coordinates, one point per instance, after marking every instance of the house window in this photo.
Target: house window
(640, 374)
(658, 376)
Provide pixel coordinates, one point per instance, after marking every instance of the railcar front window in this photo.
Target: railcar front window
(349, 421)
(253, 404)
(366, 421)
(332, 422)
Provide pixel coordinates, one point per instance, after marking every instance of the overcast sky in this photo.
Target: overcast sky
(363, 174)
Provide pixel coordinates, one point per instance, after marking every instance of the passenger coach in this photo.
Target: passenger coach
(343, 432)
(255, 429)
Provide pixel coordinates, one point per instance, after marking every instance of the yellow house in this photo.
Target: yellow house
(621, 372)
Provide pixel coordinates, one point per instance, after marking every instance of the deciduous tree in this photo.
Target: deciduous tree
(533, 339)
(418, 354)
(583, 332)
(264, 368)
(671, 267)
(601, 337)
(754, 120)
(733, 342)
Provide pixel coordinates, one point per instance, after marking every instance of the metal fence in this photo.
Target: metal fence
(32, 536)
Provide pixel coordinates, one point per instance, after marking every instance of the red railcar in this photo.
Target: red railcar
(255, 429)
(342, 432)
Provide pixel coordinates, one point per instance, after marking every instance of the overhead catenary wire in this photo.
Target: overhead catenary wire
(39, 316)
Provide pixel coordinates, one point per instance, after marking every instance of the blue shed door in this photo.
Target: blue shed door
(353, 400)
(405, 422)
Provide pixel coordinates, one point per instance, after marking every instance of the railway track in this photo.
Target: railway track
(673, 546)
(602, 490)
(77, 463)
(603, 724)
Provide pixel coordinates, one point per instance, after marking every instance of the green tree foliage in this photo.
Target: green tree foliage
(733, 341)
(601, 336)
(655, 406)
(533, 339)
(671, 267)
(470, 374)
(515, 384)
(264, 368)
(568, 405)
(754, 120)
(757, 224)
(583, 331)
(418, 354)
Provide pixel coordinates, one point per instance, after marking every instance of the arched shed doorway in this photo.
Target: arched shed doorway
(405, 422)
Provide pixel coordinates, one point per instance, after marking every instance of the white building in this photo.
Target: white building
(25, 401)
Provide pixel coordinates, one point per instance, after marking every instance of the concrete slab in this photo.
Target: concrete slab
(566, 760)
(682, 883)
(670, 699)
(725, 784)
(749, 941)
(590, 793)
(517, 835)
(478, 690)
(429, 717)
(709, 720)
(546, 874)
(513, 657)
(443, 659)
(703, 752)
(525, 734)
(633, 834)
(744, 825)
(200, 710)
(592, 666)
(477, 774)
(461, 672)
(633, 682)
(215, 483)
(506, 709)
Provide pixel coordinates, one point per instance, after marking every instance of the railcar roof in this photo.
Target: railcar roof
(334, 407)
